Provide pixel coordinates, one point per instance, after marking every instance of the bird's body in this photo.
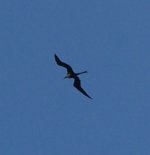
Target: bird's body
(72, 74)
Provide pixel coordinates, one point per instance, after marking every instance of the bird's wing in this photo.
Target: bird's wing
(60, 63)
(77, 84)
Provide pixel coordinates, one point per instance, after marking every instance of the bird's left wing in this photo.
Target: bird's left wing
(60, 63)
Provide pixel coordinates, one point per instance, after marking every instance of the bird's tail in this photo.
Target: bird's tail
(81, 73)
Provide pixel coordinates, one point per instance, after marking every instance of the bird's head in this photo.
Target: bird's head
(67, 76)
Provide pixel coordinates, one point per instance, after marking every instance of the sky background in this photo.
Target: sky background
(40, 112)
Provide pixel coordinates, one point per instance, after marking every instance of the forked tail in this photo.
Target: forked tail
(81, 73)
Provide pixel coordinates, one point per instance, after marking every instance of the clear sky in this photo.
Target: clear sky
(43, 114)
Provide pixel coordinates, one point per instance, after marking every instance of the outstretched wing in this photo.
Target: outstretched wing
(77, 84)
(60, 63)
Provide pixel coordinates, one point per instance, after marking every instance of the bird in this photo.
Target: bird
(72, 74)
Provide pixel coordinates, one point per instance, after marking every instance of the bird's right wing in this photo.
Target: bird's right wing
(60, 63)
(77, 84)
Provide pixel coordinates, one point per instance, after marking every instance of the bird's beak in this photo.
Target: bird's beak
(65, 77)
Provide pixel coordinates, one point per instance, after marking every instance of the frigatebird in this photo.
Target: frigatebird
(72, 74)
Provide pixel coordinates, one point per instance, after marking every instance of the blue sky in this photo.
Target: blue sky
(40, 112)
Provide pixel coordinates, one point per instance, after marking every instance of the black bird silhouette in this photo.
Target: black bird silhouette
(72, 74)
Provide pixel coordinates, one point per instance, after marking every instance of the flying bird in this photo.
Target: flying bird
(72, 74)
